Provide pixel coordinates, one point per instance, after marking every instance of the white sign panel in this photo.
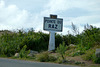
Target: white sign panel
(53, 24)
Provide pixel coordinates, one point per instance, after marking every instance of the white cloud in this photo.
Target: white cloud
(54, 6)
(2, 4)
(86, 19)
(66, 30)
(16, 16)
(83, 20)
(59, 6)
(97, 24)
(13, 17)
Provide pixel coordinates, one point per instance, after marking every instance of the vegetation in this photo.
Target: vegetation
(61, 50)
(23, 53)
(45, 57)
(21, 42)
(13, 42)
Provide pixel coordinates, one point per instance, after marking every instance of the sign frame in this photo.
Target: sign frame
(57, 21)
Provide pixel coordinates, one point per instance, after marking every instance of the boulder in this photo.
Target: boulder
(97, 53)
(32, 53)
(16, 55)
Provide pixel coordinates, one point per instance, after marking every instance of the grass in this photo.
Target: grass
(45, 57)
(56, 58)
(3, 56)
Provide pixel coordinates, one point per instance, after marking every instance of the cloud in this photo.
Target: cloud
(14, 16)
(1, 3)
(86, 19)
(62, 5)
(90, 15)
(81, 21)
(11, 17)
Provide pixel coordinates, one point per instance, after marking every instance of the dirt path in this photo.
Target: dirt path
(87, 63)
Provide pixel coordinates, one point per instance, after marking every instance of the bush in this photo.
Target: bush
(77, 53)
(77, 63)
(8, 45)
(52, 58)
(45, 57)
(58, 40)
(13, 42)
(23, 53)
(96, 59)
(89, 54)
(61, 50)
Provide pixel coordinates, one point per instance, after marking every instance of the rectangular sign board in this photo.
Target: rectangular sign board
(53, 24)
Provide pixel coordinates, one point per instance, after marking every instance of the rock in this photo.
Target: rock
(32, 53)
(64, 61)
(83, 63)
(72, 45)
(16, 54)
(72, 61)
(35, 52)
(97, 53)
(78, 51)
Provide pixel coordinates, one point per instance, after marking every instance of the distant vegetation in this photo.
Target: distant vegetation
(14, 42)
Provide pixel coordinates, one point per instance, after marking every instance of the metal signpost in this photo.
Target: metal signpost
(52, 24)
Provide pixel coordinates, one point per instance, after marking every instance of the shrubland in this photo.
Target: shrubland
(22, 42)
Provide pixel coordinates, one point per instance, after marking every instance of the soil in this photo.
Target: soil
(87, 63)
(79, 59)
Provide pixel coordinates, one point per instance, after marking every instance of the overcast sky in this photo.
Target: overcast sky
(17, 14)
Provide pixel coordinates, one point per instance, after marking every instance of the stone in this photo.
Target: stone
(64, 61)
(16, 54)
(32, 53)
(78, 51)
(97, 53)
(72, 45)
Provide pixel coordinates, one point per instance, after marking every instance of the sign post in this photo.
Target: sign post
(51, 41)
(52, 24)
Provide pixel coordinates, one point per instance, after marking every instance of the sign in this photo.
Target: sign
(51, 24)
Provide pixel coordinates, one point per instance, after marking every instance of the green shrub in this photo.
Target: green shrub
(59, 60)
(77, 63)
(45, 57)
(13, 42)
(23, 53)
(77, 53)
(58, 40)
(8, 49)
(61, 50)
(96, 59)
(52, 58)
(89, 54)
(3, 55)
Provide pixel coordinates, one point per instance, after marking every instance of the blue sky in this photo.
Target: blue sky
(18, 14)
